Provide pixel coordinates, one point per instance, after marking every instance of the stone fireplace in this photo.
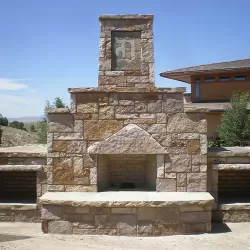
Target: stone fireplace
(123, 139)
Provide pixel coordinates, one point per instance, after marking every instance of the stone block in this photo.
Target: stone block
(166, 229)
(145, 228)
(28, 216)
(147, 214)
(161, 118)
(181, 189)
(172, 106)
(60, 123)
(203, 168)
(68, 136)
(195, 169)
(157, 129)
(72, 217)
(166, 185)
(86, 225)
(126, 102)
(186, 123)
(60, 227)
(141, 106)
(124, 109)
(196, 182)
(44, 226)
(163, 139)
(78, 126)
(74, 147)
(181, 179)
(147, 51)
(193, 147)
(69, 210)
(203, 142)
(87, 217)
(179, 163)
(189, 136)
(121, 210)
(88, 162)
(169, 215)
(154, 106)
(87, 107)
(196, 228)
(63, 172)
(147, 116)
(51, 212)
(199, 160)
(113, 99)
(55, 188)
(195, 217)
(91, 231)
(170, 175)
(98, 130)
(191, 208)
(126, 116)
(80, 188)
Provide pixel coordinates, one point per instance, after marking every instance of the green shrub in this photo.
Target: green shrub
(235, 121)
(42, 126)
(18, 125)
(32, 128)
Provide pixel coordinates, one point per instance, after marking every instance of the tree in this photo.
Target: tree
(235, 121)
(42, 125)
(32, 128)
(58, 103)
(3, 121)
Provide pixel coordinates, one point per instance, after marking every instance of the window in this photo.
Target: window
(197, 91)
(209, 79)
(224, 78)
(240, 78)
(197, 80)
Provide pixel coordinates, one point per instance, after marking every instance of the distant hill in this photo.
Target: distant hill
(26, 119)
(16, 137)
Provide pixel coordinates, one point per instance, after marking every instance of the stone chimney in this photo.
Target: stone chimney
(126, 59)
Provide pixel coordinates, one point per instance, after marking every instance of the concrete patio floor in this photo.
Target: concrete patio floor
(28, 236)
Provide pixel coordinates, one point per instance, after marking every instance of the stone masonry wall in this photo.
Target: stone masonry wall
(128, 221)
(134, 67)
(94, 116)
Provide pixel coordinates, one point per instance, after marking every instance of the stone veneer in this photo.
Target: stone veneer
(126, 124)
(126, 57)
(130, 214)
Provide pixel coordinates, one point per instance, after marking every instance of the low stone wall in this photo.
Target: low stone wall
(23, 179)
(112, 214)
(228, 182)
(19, 213)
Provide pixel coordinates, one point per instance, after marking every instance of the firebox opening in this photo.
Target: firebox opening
(234, 186)
(127, 185)
(17, 187)
(126, 172)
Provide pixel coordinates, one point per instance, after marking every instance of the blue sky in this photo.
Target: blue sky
(47, 46)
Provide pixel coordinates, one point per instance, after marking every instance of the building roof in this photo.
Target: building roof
(211, 106)
(184, 74)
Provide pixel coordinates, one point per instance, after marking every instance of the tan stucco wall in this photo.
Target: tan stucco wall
(220, 90)
(213, 120)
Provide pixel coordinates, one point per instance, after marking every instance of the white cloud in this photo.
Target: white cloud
(11, 84)
(17, 106)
